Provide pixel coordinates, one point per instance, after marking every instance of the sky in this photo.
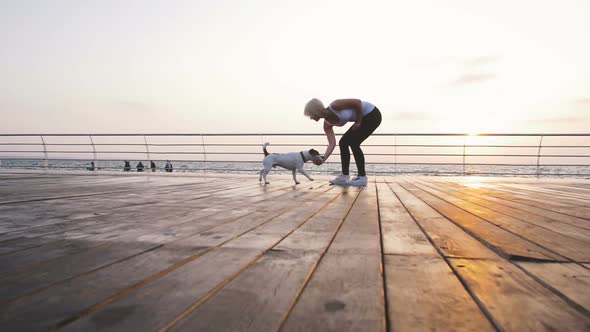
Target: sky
(250, 66)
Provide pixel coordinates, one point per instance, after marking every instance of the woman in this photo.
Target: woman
(366, 118)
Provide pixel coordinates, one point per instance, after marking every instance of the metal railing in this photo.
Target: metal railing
(546, 154)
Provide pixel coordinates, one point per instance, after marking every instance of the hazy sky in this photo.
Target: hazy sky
(250, 66)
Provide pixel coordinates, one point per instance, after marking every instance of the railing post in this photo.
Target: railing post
(147, 153)
(539, 156)
(394, 154)
(93, 153)
(204, 153)
(45, 154)
(464, 140)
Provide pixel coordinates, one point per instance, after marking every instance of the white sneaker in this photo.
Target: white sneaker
(340, 179)
(358, 181)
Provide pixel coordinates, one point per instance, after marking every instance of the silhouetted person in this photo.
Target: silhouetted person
(91, 167)
(153, 166)
(127, 166)
(168, 166)
(139, 167)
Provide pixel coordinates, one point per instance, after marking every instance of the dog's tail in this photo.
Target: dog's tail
(264, 149)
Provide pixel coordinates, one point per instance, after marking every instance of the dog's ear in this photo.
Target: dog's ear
(314, 152)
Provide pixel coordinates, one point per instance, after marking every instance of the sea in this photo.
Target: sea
(333, 168)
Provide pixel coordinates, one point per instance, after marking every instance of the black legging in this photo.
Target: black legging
(354, 138)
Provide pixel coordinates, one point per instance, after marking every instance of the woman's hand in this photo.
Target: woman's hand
(356, 125)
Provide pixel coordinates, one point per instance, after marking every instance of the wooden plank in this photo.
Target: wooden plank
(577, 189)
(23, 217)
(516, 300)
(60, 207)
(257, 299)
(21, 259)
(228, 231)
(123, 215)
(346, 290)
(93, 237)
(572, 248)
(399, 232)
(450, 238)
(21, 243)
(267, 289)
(572, 280)
(505, 242)
(522, 205)
(547, 203)
(53, 271)
(506, 292)
(20, 284)
(56, 305)
(131, 196)
(156, 304)
(34, 220)
(555, 200)
(425, 295)
(159, 303)
(563, 227)
(137, 270)
(58, 193)
(263, 210)
(562, 196)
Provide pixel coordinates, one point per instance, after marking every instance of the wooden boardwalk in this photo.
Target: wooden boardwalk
(167, 252)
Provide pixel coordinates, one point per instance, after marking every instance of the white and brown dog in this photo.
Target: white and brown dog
(292, 160)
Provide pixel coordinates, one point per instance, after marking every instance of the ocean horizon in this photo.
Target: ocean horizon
(330, 168)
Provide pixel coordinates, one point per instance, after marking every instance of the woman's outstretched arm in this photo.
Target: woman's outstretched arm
(331, 140)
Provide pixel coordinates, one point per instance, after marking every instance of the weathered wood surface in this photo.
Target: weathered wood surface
(212, 252)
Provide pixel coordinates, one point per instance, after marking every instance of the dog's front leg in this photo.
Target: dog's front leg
(302, 171)
(295, 175)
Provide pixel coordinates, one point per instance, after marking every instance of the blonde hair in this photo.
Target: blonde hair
(313, 107)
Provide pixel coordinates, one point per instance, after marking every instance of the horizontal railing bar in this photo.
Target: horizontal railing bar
(87, 144)
(310, 145)
(330, 163)
(294, 134)
(257, 153)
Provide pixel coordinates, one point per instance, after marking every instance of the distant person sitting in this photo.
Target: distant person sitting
(153, 166)
(91, 167)
(168, 166)
(127, 166)
(140, 167)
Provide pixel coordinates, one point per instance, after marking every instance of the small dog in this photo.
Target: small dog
(292, 160)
